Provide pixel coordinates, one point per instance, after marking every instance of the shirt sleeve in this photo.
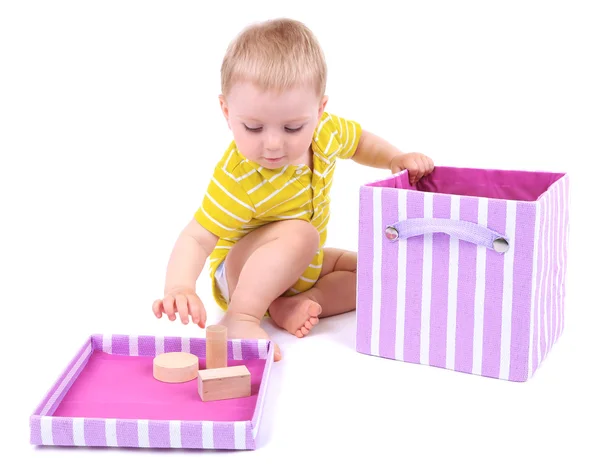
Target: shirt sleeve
(226, 206)
(338, 136)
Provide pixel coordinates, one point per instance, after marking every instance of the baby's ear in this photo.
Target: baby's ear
(224, 107)
(324, 101)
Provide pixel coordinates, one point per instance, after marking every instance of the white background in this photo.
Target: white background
(110, 128)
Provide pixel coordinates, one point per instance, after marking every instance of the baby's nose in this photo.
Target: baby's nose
(273, 142)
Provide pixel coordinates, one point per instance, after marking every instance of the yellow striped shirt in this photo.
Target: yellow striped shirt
(243, 196)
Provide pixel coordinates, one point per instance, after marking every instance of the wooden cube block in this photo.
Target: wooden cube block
(224, 383)
(216, 347)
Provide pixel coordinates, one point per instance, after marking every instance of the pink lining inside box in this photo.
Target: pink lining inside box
(108, 396)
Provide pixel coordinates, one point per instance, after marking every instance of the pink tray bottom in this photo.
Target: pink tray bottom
(123, 387)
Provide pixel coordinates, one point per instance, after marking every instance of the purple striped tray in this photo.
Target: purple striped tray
(107, 397)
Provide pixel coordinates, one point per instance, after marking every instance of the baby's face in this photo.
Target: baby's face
(270, 128)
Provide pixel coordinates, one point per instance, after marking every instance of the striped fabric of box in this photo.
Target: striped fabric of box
(465, 271)
(46, 429)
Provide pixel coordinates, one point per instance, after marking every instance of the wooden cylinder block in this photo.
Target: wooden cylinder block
(216, 347)
(175, 367)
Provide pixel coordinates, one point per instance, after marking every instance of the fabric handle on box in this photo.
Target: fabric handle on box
(464, 230)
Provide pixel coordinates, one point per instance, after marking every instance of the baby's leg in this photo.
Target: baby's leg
(261, 267)
(335, 292)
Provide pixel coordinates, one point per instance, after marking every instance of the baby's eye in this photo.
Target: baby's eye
(253, 130)
(293, 130)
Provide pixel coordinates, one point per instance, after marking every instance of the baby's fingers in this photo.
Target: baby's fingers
(428, 162)
(422, 161)
(157, 308)
(197, 311)
(182, 308)
(413, 171)
(169, 307)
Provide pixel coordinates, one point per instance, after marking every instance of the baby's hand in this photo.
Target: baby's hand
(417, 164)
(183, 301)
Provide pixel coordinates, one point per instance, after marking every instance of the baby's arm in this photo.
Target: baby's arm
(192, 248)
(374, 151)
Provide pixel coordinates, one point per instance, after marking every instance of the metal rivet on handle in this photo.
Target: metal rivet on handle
(500, 245)
(391, 233)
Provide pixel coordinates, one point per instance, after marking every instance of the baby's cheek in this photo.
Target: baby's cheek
(303, 142)
(248, 147)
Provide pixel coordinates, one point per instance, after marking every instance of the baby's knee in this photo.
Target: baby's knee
(302, 235)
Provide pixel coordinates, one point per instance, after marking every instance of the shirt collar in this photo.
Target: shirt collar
(266, 174)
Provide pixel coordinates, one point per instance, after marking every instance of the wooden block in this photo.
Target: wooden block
(224, 383)
(175, 367)
(216, 347)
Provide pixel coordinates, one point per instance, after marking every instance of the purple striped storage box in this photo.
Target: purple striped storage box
(464, 271)
(114, 360)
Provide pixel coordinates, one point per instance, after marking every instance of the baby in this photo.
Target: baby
(263, 219)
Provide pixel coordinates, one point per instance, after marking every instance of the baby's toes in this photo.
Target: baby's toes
(277, 354)
(314, 309)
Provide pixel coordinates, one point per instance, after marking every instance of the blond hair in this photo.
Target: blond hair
(275, 55)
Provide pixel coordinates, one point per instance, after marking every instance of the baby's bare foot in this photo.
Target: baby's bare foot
(297, 314)
(241, 326)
